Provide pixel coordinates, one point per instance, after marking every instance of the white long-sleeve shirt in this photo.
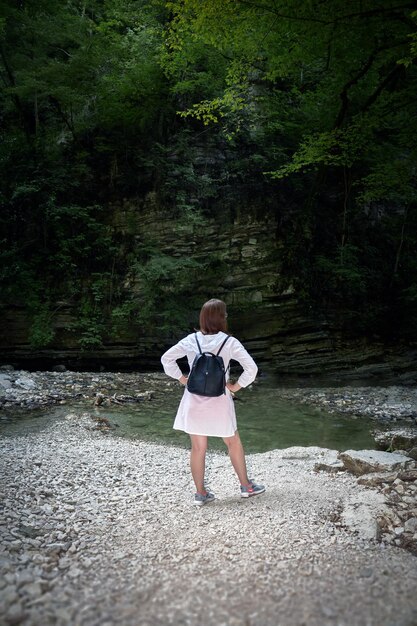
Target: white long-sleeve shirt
(232, 349)
(199, 415)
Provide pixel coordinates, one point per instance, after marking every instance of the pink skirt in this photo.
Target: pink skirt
(213, 417)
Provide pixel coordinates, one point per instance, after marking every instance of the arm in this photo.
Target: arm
(169, 362)
(250, 369)
(233, 387)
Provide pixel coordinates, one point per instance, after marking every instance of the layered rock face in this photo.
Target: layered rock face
(270, 321)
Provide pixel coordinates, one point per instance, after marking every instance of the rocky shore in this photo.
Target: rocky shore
(33, 390)
(381, 403)
(98, 531)
(22, 389)
(101, 531)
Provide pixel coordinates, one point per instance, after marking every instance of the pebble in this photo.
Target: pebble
(411, 524)
(384, 404)
(32, 390)
(82, 541)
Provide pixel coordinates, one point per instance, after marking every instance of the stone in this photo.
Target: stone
(74, 572)
(119, 532)
(396, 438)
(366, 461)
(5, 381)
(300, 453)
(361, 514)
(366, 572)
(25, 383)
(332, 467)
(29, 531)
(57, 548)
(15, 615)
(408, 476)
(24, 578)
(411, 525)
(9, 595)
(412, 453)
(64, 615)
(34, 590)
(376, 479)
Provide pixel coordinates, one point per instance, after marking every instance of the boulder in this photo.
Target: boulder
(377, 479)
(361, 513)
(366, 461)
(413, 453)
(411, 525)
(396, 438)
(26, 383)
(332, 467)
(59, 368)
(5, 382)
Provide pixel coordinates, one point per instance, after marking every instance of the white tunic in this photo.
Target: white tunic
(198, 415)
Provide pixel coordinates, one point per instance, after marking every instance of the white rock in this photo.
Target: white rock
(361, 512)
(25, 383)
(411, 525)
(365, 461)
(5, 381)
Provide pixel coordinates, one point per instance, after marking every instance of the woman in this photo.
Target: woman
(203, 417)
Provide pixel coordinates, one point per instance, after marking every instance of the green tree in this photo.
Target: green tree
(325, 92)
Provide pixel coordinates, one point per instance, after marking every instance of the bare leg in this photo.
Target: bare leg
(198, 461)
(237, 457)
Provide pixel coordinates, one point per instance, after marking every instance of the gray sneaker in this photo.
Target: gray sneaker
(251, 490)
(199, 500)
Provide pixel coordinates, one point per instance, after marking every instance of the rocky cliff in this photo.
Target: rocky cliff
(281, 334)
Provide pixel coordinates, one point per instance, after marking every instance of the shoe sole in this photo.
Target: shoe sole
(249, 495)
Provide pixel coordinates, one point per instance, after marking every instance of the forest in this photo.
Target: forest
(307, 109)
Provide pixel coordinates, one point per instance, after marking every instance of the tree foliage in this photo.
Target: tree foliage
(307, 105)
(327, 93)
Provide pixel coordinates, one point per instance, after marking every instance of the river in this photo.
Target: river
(266, 421)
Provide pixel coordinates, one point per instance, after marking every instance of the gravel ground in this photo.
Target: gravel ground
(98, 530)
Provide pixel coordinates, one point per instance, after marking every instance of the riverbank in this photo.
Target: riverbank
(99, 531)
(32, 390)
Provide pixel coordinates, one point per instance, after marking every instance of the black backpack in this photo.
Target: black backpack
(208, 374)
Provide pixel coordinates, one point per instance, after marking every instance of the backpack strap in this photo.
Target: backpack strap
(218, 351)
(221, 347)
(199, 347)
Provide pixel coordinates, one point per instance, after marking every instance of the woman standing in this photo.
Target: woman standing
(203, 417)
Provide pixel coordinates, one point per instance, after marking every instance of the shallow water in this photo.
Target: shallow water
(265, 422)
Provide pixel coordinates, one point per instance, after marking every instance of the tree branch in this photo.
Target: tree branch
(344, 93)
(15, 97)
(393, 75)
(62, 115)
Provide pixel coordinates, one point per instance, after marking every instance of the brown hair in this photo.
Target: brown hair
(213, 317)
